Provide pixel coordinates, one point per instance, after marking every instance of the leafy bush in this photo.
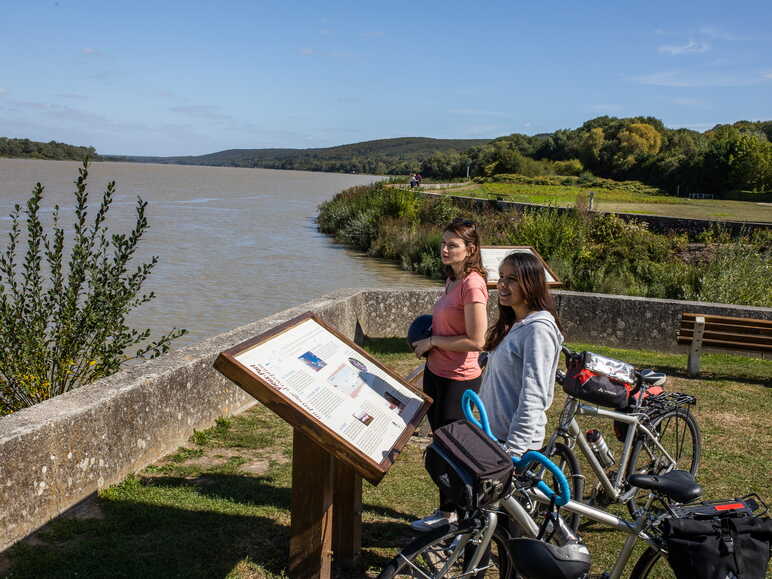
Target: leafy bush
(738, 273)
(63, 320)
(588, 251)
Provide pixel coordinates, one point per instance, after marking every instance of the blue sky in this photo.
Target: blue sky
(179, 78)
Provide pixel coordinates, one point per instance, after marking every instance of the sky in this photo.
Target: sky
(187, 78)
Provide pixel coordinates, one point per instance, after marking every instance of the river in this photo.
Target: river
(234, 244)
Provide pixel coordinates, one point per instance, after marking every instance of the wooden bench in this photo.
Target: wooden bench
(722, 332)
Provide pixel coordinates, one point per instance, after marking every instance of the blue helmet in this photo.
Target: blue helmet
(420, 329)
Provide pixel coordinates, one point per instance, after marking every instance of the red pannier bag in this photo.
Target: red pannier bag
(599, 380)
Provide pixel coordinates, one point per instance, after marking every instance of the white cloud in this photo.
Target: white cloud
(716, 34)
(691, 47)
(767, 75)
(683, 79)
(478, 112)
(88, 51)
(607, 108)
(307, 52)
(688, 102)
(72, 96)
(3, 91)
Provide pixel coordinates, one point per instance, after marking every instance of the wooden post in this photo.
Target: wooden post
(310, 549)
(347, 516)
(693, 367)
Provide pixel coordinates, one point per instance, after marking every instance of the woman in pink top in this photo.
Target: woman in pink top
(459, 322)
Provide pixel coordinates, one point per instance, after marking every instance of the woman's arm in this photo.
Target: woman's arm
(537, 382)
(475, 321)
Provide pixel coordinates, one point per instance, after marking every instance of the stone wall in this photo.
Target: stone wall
(55, 454)
(619, 321)
(656, 223)
(58, 452)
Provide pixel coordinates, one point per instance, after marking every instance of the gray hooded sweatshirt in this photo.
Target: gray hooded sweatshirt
(518, 384)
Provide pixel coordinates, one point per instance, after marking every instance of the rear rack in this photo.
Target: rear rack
(750, 504)
(669, 401)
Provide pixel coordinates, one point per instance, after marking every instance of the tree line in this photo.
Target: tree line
(723, 161)
(24, 148)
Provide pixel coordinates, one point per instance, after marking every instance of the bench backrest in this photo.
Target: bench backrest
(728, 332)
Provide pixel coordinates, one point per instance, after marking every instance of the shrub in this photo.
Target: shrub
(63, 320)
(739, 273)
(588, 251)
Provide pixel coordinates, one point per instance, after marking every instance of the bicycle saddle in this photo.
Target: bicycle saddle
(678, 485)
(653, 378)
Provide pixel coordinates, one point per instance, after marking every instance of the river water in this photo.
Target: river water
(234, 245)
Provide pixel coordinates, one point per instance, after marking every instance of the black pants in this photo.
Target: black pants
(446, 408)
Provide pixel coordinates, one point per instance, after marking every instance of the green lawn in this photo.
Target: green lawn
(622, 201)
(219, 507)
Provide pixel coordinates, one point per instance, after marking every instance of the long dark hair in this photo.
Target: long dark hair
(466, 230)
(530, 275)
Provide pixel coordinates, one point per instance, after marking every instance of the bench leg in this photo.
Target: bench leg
(693, 367)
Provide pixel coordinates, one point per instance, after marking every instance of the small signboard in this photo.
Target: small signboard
(338, 395)
(493, 254)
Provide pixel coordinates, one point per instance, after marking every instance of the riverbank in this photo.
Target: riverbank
(589, 251)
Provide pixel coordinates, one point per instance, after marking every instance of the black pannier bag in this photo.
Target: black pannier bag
(599, 380)
(470, 468)
(730, 542)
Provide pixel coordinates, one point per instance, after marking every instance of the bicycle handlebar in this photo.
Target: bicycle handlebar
(471, 398)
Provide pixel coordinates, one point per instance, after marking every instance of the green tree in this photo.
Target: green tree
(63, 313)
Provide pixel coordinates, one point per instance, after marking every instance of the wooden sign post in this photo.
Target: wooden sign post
(493, 254)
(351, 417)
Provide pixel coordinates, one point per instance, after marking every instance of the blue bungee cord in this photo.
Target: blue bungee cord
(469, 401)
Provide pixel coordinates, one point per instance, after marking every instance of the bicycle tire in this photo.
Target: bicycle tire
(672, 427)
(671, 436)
(652, 564)
(429, 552)
(566, 460)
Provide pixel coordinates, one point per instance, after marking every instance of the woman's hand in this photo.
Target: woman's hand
(421, 347)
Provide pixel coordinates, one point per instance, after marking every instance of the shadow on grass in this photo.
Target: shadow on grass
(180, 527)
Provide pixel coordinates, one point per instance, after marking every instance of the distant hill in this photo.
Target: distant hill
(383, 156)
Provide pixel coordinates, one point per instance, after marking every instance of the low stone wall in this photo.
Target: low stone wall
(619, 321)
(656, 223)
(55, 454)
(58, 452)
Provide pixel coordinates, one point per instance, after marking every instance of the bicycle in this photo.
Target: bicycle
(658, 434)
(482, 540)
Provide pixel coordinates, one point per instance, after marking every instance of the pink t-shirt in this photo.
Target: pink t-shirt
(448, 320)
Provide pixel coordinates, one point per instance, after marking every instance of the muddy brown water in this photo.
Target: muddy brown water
(234, 245)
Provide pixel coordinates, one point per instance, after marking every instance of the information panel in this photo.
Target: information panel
(493, 254)
(333, 390)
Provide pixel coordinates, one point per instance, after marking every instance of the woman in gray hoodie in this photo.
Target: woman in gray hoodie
(524, 347)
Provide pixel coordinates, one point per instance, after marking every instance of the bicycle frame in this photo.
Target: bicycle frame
(520, 515)
(572, 432)
(635, 529)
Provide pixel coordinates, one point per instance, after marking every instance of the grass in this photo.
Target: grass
(219, 507)
(622, 201)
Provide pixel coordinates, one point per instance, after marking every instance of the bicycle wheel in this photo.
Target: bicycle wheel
(678, 433)
(566, 461)
(428, 554)
(652, 565)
